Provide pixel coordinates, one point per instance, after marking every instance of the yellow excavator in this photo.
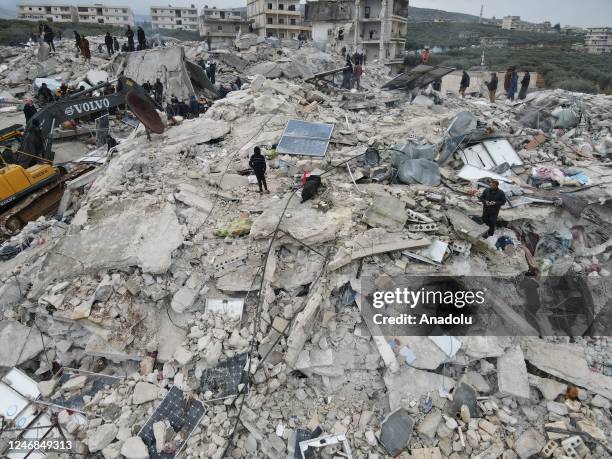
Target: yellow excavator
(30, 185)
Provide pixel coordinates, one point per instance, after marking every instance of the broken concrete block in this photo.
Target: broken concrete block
(101, 437)
(426, 453)
(182, 355)
(13, 336)
(529, 443)
(144, 392)
(386, 212)
(429, 425)
(74, 383)
(184, 299)
(600, 402)
(396, 431)
(421, 383)
(549, 388)
(134, 448)
(512, 373)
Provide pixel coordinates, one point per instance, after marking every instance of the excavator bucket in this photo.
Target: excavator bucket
(145, 111)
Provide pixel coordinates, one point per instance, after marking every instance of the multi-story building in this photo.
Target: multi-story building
(378, 28)
(494, 42)
(175, 17)
(511, 22)
(46, 12)
(222, 24)
(277, 18)
(599, 40)
(105, 14)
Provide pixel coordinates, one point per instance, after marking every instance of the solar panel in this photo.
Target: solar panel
(305, 138)
(95, 383)
(418, 77)
(224, 379)
(183, 414)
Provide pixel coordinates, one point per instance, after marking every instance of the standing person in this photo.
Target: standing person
(108, 41)
(508, 79)
(29, 110)
(63, 88)
(77, 40)
(258, 164)
(492, 199)
(194, 106)
(465, 83)
(357, 72)
(129, 33)
(492, 86)
(48, 37)
(343, 52)
(425, 55)
(437, 85)
(213, 72)
(208, 41)
(158, 89)
(513, 85)
(116, 45)
(44, 94)
(142, 41)
(347, 74)
(85, 51)
(525, 85)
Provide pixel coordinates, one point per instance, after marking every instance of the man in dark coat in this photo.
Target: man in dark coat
(116, 45)
(258, 164)
(108, 41)
(194, 107)
(29, 110)
(492, 199)
(142, 41)
(48, 36)
(492, 87)
(525, 85)
(130, 36)
(465, 83)
(508, 79)
(44, 94)
(158, 89)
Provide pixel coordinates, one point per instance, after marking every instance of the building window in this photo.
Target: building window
(270, 6)
(237, 28)
(291, 8)
(293, 22)
(269, 20)
(281, 6)
(219, 28)
(366, 12)
(292, 35)
(281, 35)
(281, 21)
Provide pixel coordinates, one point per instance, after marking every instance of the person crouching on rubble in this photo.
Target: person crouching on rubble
(492, 199)
(258, 164)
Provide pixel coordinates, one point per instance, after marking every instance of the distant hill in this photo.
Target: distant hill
(429, 15)
(7, 14)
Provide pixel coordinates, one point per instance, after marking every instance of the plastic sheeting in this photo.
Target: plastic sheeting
(566, 118)
(462, 125)
(423, 171)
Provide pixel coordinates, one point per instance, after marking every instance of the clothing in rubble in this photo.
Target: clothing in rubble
(258, 164)
(492, 199)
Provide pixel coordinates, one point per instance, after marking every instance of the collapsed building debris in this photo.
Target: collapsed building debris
(171, 308)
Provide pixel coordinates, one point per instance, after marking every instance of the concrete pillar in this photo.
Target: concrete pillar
(383, 29)
(356, 27)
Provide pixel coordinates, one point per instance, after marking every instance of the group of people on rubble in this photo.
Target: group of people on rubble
(353, 69)
(511, 81)
(192, 108)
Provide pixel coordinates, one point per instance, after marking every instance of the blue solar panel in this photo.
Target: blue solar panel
(305, 138)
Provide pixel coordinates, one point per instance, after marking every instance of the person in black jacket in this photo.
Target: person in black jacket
(492, 199)
(48, 36)
(130, 36)
(142, 41)
(525, 85)
(258, 164)
(108, 41)
(158, 90)
(492, 86)
(29, 110)
(465, 83)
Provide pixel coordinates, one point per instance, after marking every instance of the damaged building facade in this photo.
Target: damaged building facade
(378, 28)
(282, 19)
(222, 25)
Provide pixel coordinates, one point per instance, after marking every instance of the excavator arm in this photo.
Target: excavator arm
(79, 105)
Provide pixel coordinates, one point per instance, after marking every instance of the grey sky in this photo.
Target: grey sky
(582, 13)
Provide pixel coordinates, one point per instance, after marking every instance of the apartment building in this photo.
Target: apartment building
(175, 17)
(47, 12)
(511, 22)
(378, 28)
(599, 40)
(98, 13)
(222, 24)
(277, 18)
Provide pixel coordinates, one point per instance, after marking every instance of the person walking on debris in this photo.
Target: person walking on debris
(142, 41)
(492, 86)
(465, 83)
(513, 85)
(108, 41)
(29, 110)
(158, 89)
(492, 199)
(48, 37)
(525, 86)
(116, 45)
(85, 51)
(208, 41)
(347, 74)
(258, 164)
(357, 72)
(130, 36)
(194, 107)
(212, 71)
(508, 80)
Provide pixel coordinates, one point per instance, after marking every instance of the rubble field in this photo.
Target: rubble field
(173, 310)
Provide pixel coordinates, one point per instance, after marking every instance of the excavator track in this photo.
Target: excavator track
(43, 201)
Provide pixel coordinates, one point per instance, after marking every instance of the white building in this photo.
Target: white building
(46, 12)
(277, 18)
(511, 22)
(222, 24)
(599, 40)
(98, 13)
(378, 28)
(175, 17)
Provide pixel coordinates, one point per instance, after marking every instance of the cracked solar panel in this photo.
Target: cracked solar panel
(224, 379)
(305, 138)
(95, 382)
(183, 414)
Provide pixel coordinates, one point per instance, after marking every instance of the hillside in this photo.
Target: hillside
(429, 15)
